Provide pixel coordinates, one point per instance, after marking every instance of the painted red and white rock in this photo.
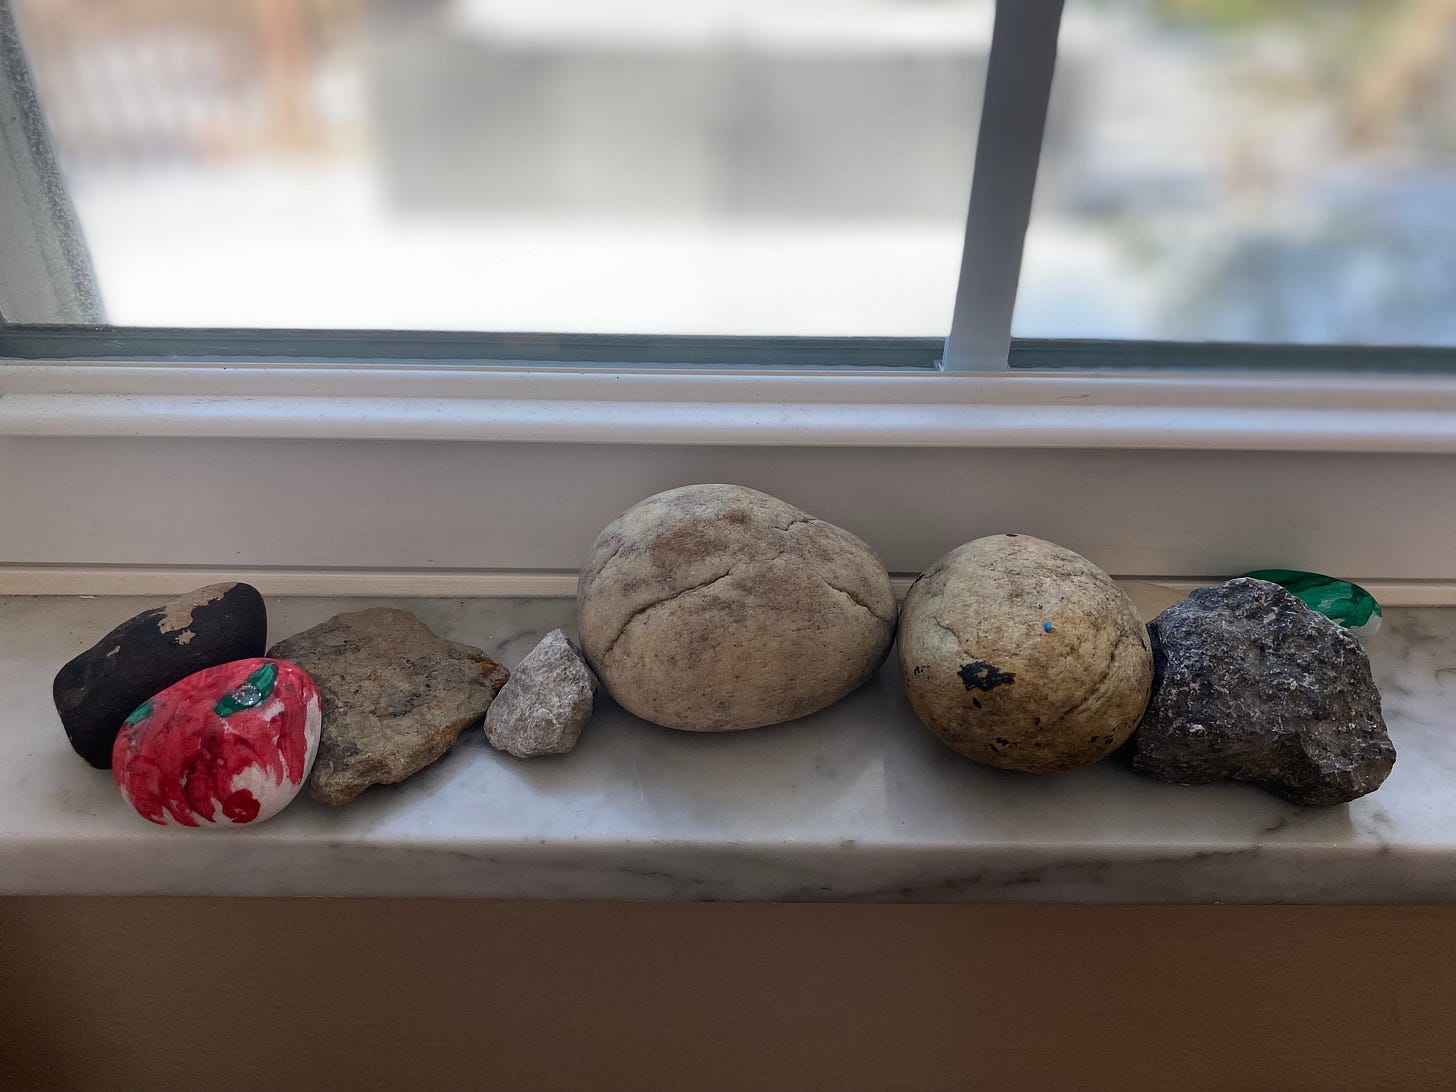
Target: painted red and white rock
(229, 745)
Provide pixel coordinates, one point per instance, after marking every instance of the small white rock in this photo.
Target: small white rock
(546, 703)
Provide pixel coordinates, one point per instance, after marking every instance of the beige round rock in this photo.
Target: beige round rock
(1021, 654)
(715, 607)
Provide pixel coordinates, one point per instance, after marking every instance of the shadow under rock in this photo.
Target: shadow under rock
(936, 791)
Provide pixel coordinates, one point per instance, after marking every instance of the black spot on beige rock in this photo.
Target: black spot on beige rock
(980, 675)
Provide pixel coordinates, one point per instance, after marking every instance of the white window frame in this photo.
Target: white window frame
(1019, 74)
(492, 477)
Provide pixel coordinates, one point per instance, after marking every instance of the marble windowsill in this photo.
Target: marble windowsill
(858, 803)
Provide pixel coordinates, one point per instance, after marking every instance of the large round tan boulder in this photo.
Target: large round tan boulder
(1021, 654)
(715, 607)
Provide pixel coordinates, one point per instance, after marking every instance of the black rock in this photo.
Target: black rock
(100, 688)
(1250, 684)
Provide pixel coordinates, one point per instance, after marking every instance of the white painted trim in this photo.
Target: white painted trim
(679, 384)
(1181, 475)
(1008, 151)
(116, 580)
(367, 507)
(1149, 411)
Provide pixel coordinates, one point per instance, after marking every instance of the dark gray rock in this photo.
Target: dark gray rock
(1251, 684)
(394, 696)
(548, 701)
(100, 688)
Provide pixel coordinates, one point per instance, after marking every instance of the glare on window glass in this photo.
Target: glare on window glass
(673, 166)
(1248, 170)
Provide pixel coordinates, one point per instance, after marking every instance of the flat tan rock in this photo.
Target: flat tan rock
(394, 696)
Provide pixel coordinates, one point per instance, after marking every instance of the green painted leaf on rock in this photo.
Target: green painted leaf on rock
(255, 688)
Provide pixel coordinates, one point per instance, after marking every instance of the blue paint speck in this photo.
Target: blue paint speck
(1046, 627)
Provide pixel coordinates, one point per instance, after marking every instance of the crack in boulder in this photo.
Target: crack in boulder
(640, 611)
(856, 600)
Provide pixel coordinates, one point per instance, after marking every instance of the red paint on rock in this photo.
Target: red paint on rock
(181, 759)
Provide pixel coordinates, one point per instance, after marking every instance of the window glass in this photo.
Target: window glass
(1248, 170)
(652, 167)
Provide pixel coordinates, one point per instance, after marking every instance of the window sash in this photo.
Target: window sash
(48, 254)
(588, 352)
(398, 347)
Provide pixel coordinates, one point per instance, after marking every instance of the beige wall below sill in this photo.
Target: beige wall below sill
(215, 994)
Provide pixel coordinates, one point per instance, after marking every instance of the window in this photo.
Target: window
(459, 343)
(1212, 171)
(704, 167)
(1219, 170)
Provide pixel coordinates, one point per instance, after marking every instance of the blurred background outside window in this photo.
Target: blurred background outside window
(1276, 170)
(641, 166)
(1248, 170)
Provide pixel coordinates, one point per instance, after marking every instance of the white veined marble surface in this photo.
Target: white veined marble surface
(857, 803)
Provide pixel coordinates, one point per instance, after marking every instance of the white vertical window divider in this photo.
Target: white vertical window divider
(1013, 118)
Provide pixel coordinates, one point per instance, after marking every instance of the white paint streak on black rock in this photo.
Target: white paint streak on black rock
(100, 688)
(546, 703)
(1251, 684)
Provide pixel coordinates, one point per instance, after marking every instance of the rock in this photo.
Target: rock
(227, 746)
(712, 608)
(95, 692)
(1253, 685)
(395, 696)
(1021, 654)
(546, 703)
